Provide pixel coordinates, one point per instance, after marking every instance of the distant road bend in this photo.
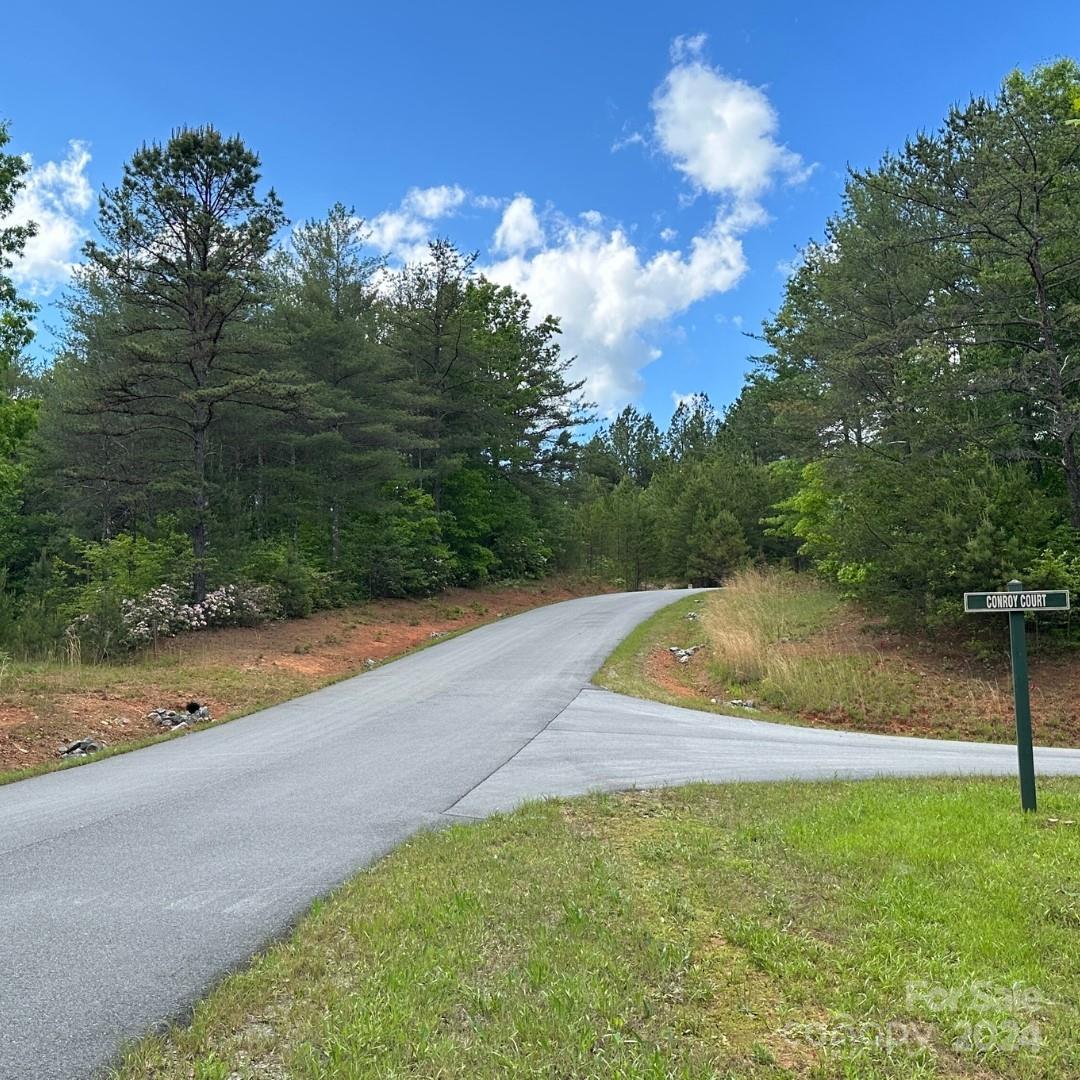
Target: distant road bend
(128, 886)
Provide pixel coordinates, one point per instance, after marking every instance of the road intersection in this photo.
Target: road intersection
(130, 885)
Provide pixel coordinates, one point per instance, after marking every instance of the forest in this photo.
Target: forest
(247, 418)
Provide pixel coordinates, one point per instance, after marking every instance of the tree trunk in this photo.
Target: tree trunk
(200, 538)
(1072, 478)
(335, 534)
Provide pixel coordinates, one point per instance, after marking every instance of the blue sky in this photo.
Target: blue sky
(646, 170)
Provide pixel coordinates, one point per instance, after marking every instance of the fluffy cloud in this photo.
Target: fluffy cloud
(718, 131)
(614, 297)
(405, 232)
(56, 197)
(610, 295)
(520, 230)
(434, 202)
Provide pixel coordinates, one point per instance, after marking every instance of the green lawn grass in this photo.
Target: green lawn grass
(870, 930)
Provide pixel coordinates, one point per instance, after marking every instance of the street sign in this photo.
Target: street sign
(1014, 603)
(996, 602)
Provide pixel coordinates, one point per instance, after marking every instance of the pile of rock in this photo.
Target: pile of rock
(684, 655)
(192, 713)
(80, 748)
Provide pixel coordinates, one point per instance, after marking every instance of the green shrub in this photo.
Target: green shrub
(299, 587)
(401, 551)
(914, 534)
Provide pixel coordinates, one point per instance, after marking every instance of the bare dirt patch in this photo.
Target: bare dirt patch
(234, 670)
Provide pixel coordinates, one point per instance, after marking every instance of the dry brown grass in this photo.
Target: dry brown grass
(759, 610)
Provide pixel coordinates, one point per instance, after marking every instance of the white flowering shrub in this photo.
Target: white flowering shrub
(162, 613)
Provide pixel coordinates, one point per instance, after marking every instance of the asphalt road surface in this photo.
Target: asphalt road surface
(129, 886)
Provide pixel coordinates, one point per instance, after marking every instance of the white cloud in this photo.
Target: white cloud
(56, 197)
(718, 131)
(520, 229)
(688, 47)
(611, 296)
(434, 202)
(678, 399)
(398, 233)
(635, 138)
(405, 232)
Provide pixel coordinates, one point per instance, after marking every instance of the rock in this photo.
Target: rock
(168, 718)
(683, 655)
(80, 748)
(194, 712)
(369, 662)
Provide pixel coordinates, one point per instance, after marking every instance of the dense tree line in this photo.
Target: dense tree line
(686, 505)
(228, 409)
(243, 417)
(922, 369)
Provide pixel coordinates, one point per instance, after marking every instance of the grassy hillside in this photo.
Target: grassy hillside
(788, 646)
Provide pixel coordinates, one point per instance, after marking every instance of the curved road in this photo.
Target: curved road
(128, 886)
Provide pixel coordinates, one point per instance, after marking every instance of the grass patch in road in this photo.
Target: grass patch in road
(627, 669)
(882, 930)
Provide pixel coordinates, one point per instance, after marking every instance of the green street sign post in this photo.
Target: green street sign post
(1015, 602)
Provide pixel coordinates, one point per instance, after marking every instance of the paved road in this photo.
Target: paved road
(606, 742)
(128, 886)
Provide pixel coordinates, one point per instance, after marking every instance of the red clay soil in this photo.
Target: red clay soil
(235, 669)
